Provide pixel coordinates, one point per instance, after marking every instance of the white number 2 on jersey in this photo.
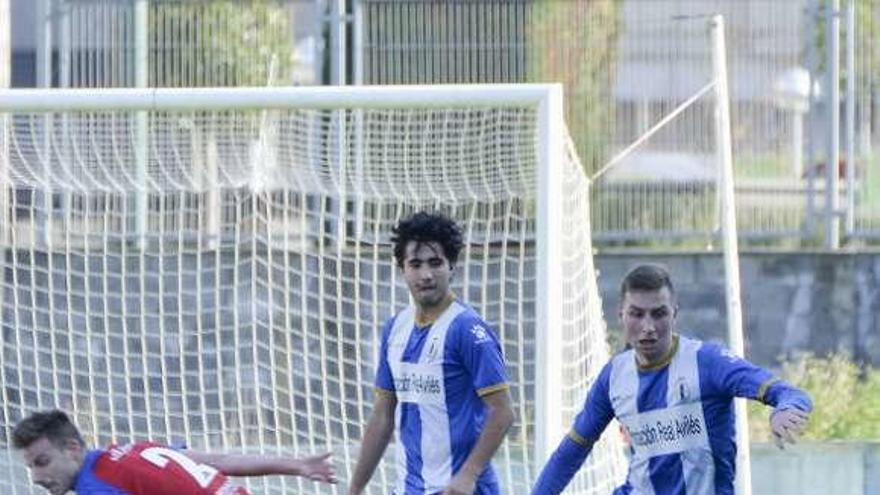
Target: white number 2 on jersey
(161, 456)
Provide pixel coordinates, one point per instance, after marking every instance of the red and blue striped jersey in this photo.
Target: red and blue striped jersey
(147, 468)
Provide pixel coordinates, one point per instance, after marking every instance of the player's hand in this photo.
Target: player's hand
(461, 484)
(318, 468)
(787, 425)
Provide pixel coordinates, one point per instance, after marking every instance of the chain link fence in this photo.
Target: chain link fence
(624, 65)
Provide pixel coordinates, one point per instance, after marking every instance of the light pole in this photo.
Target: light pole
(791, 91)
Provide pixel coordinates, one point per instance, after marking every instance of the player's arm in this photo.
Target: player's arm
(479, 349)
(742, 378)
(498, 420)
(315, 468)
(376, 437)
(380, 427)
(565, 462)
(571, 453)
(791, 413)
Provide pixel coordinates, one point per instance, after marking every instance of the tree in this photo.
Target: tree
(221, 43)
(867, 35)
(575, 42)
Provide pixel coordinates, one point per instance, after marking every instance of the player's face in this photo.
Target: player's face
(427, 273)
(648, 318)
(52, 467)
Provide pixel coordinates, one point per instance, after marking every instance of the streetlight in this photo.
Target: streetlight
(791, 91)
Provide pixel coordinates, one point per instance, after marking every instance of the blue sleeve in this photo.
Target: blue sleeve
(384, 378)
(577, 445)
(481, 355)
(738, 377)
(597, 411)
(561, 468)
(782, 395)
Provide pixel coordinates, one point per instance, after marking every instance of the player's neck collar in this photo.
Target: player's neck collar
(423, 320)
(663, 362)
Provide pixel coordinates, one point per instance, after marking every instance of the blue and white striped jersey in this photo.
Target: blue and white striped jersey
(679, 416)
(438, 374)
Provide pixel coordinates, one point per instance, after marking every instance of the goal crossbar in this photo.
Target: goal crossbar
(338, 97)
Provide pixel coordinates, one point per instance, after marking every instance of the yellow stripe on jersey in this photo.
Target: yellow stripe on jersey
(578, 439)
(491, 389)
(382, 391)
(762, 390)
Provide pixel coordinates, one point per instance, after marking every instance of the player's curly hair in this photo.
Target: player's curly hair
(53, 425)
(427, 227)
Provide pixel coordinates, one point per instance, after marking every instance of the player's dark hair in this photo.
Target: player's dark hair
(54, 426)
(425, 227)
(646, 278)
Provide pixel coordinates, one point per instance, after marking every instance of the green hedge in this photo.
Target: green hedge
(846, 400)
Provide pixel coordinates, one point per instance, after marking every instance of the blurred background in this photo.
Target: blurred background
(804, 80)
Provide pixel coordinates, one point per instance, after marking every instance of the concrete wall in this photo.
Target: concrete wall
(792, 302)
(838, 468)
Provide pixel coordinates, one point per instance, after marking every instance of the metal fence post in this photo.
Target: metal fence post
(832, 196)
(5, 80)
(141, 145)
(850, 117)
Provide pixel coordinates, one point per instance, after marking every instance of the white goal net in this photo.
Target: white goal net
(211, 267)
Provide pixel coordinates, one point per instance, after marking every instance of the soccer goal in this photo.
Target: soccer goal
(211, 267)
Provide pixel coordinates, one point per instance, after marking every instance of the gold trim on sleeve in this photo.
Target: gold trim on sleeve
(491, 389)
(578, 439)
(762, 390)
(382, 391)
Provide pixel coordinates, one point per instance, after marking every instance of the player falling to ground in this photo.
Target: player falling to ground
(441, 378)
(59, 461)
(674, 396)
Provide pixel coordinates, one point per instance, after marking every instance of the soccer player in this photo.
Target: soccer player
(674, 396)
(441, 378)
(59, 461)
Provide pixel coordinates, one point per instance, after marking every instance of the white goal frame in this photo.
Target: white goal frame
(547, 97)
(551, 145)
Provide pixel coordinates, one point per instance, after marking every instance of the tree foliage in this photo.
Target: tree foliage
(846, 400)
(867, 39)
(574, 42)
(220, 43)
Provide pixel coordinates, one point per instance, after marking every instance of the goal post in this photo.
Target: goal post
(729, 241)
(548, 400)
(225, 286)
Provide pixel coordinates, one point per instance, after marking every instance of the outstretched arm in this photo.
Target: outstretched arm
(376, 438)
(576, 446)
(782, 395)
(498, 421)
(315, 468)
(791, 414)
(741, 378)
(562, 466)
